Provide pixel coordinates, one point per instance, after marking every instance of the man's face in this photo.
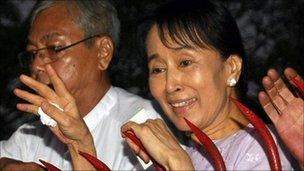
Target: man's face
(76, 66)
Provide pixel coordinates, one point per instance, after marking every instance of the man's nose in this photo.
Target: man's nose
(173, 81)
(37, 64)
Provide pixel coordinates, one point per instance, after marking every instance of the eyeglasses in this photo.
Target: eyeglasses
(26, 58)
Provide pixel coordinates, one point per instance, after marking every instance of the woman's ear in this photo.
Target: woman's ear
(105, 51)
(234, 69)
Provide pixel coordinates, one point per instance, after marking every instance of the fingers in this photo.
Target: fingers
(142, 130)
(273, 94)
(268, 107)
(277, 91)
(280, 85)
(144, 156)
(127, 127)
(44, 90)
(60, 96)
(291, 73)
(158, 126)
(52, 111)
(156, 123)
(31, 98)
(296, 80)
(156, 138)
(131, 126)
(40, 88)
(27, 108)
(57, 83)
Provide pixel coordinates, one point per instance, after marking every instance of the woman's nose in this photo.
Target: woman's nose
(173, 82)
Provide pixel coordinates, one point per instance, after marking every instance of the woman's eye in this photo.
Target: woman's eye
(185, 63)
(157, 70)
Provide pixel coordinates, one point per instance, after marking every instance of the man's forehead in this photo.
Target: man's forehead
(57, 10)
(46, 37)
(51, 23)
(51, 35)
(52, 16)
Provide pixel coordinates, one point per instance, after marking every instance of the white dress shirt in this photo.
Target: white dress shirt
(35, 141)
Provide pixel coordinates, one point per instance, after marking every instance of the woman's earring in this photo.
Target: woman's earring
(231, 82)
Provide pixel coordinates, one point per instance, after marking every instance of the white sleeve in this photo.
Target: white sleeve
(151, 112)
(15, 147)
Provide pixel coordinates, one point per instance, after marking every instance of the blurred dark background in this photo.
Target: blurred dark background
(272, 31)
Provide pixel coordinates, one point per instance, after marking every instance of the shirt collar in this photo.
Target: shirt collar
(102, 109)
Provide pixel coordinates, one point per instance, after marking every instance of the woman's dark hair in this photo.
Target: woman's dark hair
(198, 23)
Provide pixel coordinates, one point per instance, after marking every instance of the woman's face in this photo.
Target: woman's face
(188, 82)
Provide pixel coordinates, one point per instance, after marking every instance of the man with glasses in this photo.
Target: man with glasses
(70, 46)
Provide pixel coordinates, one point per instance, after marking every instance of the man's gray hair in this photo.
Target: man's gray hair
(93, 16)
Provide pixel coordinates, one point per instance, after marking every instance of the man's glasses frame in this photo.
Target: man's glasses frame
(25, 58)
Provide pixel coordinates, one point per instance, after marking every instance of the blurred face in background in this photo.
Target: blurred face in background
(187, 82)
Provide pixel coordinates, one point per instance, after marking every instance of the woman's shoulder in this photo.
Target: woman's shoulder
(246, 150)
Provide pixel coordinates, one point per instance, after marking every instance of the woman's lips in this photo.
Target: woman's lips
(183, 106)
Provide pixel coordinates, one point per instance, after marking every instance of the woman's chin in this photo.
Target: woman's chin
(182, 126)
